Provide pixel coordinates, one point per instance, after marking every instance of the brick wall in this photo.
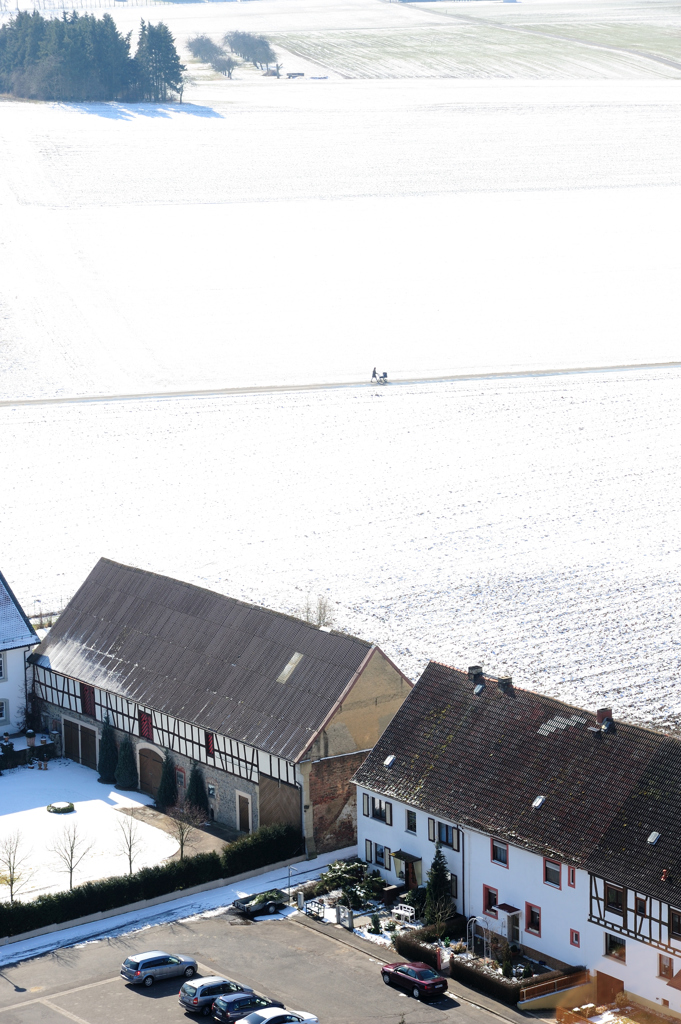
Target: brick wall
(334, 801)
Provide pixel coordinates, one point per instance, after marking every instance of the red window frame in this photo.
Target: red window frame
(528, 908)
(87, 700)
(571, 877)
(550, 860)
(491, 853)
(486, 890)
(574, 937)
(146, 724)
(210, 744)
(180, 773)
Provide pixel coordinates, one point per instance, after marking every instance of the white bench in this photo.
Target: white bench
(404, 912)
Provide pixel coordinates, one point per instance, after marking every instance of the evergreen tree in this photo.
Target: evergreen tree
(126, 770)
(196, 790)
(108, 754)
(157, 65)
(167, 787)
(438, 889)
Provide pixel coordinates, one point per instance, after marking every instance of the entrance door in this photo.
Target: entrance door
(88, 747)
(71, 741)
(607, 988)
(410, 875)
(514, 927)
(151, 766)
(244, 823)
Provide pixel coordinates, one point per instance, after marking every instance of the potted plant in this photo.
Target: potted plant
(30, 738)
(43, 740)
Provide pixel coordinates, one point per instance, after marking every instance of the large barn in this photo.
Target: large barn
(278, 712)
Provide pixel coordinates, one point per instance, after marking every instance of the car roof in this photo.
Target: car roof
(212, 979)
(149, 952)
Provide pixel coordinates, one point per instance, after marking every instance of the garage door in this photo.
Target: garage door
(88, 747)
(71, 741)
(151, 765)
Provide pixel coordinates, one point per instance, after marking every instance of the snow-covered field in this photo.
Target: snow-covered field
(24, 796)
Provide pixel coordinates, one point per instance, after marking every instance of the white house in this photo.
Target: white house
(17, 637)
(559, 827)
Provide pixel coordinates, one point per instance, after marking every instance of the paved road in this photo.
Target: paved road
(305, 969)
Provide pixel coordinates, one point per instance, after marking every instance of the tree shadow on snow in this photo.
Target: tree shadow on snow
(131, 111)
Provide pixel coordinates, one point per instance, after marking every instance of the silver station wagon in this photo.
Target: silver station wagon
(199, 996)
(146, 968)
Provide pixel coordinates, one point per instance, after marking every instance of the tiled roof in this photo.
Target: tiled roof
(15, 629)
(481, 761)
(202, 657)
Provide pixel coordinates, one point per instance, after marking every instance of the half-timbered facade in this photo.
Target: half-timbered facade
(17, 637)
(559, 826)
(278, 712)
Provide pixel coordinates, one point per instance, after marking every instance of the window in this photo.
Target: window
(368, 855)
(87, 699)
(379, 855)
(489, 900)
(552, 873)
(615, 947)
(382, 810)
(665, 1002)
(571, 877)
(574, 937)
(365, 804)
(210, 744)
(2, 664)
(454, 886)
(532, 919)
(288, 668)
(211, 789)
(675, 923)
(614, 899)
(411, 821)
(179, 778)
(146, 726)
(4, 711)
(499, 853)
(431, 829)
(665, 968)
(448, 835)
(641, 906)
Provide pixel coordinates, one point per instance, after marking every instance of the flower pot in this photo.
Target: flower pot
(30, 741)
(43, 740)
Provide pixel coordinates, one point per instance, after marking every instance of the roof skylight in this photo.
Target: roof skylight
(389, 760)
(653, 837)
(538, 801)
(285, 675)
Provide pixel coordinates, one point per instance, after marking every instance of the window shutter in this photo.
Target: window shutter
(365, 804)
(388, 813)
(431, 829)
(367, 851)
(387, 854)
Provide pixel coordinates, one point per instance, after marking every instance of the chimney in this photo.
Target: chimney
(475, 674)
(505, 683)
(602, 714)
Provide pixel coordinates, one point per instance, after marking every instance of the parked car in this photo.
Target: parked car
(419, 979)
(261, 902)
(237, 1005)
(146, 968)
(199, 996)
(276, 1016)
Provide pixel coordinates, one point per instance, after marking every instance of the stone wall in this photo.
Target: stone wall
(334, 801)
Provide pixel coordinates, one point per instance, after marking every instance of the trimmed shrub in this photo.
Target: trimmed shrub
(196, 790)
(267, 845)
(126, 769)
(108, 754)
(61, 807)
(413, 950)
(506, 991)
(167, 787)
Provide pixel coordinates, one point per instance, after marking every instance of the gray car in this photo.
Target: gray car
(146, 968)
(198, 996)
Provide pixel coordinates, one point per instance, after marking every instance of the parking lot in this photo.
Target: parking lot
(281, 959)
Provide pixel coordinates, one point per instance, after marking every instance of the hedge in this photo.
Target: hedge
(505, 991)
(414, 951)
(267, 845)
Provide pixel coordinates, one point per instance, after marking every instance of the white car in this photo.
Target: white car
(274, 1015)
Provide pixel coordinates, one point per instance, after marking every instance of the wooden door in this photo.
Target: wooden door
(88, 747)
(71, 741)
(244, 824)
(151, 766)
(410, 875)
(607, 988)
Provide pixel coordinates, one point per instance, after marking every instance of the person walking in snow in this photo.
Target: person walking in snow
(374, 376)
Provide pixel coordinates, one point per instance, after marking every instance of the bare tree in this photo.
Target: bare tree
(317, 613)
(13, 870)
(129, 840)
(185, 822)
(70, 848)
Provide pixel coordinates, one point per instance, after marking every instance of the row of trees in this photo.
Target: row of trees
(81, 57)
(251, 48)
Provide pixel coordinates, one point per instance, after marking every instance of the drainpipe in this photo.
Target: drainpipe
(463, 874)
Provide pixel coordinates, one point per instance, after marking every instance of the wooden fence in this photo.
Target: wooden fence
(544, 988)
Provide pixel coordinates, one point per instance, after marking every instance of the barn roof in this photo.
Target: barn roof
(261, 677)
(482, 760)
(15, 628)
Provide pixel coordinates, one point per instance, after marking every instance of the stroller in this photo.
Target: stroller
(383, 378)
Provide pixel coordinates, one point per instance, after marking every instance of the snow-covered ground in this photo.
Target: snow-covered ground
(24, 796)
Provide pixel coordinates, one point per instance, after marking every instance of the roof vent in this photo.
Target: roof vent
(653, 837)
(475, 674)
(505, 683)
(478, 689)
(608, 725)
(538, 802)
(389, 760)
(602, 714)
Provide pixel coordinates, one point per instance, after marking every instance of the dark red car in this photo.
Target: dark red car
(419, 979)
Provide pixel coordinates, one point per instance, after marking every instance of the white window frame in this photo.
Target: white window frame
(3, 666)
(4, 704)
(237, 794)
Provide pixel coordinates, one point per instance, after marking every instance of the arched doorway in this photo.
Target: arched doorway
(151, 765)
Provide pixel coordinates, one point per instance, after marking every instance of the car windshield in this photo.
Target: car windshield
(255, 1018)
(189, 990)
(221, 1003)
(425, 975)
(133, 964)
